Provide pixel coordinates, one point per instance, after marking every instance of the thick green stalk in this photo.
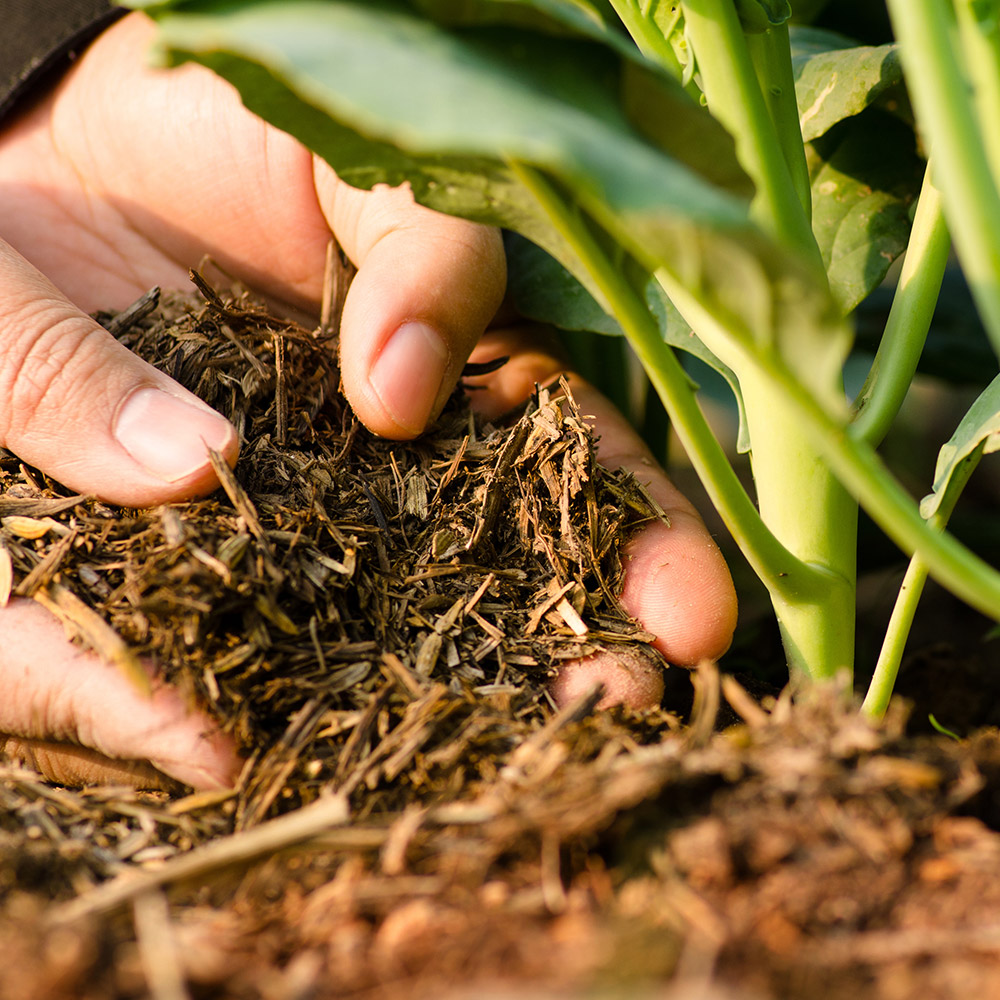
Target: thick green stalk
(800, 500)
(945, 113)
(812, 514)
(766, 555)
(904, 610)
(771, 54)
(734, 97)
(909, 319)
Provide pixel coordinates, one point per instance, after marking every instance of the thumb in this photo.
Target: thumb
(88, 412)
(427, 286)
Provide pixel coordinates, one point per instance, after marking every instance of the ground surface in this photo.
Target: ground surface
(416, 819)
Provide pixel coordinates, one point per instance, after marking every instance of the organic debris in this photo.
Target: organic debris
(375, 623)
(363, 615)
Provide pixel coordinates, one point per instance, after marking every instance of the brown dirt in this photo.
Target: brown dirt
(421, 833)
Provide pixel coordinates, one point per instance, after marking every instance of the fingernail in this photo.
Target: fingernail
(408, 374)
(171, 438)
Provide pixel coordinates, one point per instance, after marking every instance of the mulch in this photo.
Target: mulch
(375, 623)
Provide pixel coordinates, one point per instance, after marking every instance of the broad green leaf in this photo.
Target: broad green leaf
(864, 176)
(835, 79)
(979, 430)
(646, 97)
(396, 78)
(558, 16)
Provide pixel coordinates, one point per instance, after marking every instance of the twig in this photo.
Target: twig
(157, 947)
(238, 848)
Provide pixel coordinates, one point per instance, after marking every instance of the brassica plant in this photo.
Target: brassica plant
(708, 176)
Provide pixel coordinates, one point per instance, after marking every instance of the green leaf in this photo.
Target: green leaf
(556, 16)
(835, 79)
(399, 79)
(865, 176)
(977, 434)
(384, 94)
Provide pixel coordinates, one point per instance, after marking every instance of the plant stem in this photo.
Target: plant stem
(766, 555)
(979, 32)
(800, 500)
(940, 93)
(893, 645)
(771, 55)
(909, 320)
(734, 97)
(861, 470)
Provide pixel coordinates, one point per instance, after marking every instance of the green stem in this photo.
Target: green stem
(800, 500)
(862, 472)
(909, 319)
(939, 90)
(734, 97)
(979, 32)
(766, 555)
(771, 54)
(904, 610)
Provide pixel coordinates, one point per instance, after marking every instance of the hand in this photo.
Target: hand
(676, 582)
(122, 178)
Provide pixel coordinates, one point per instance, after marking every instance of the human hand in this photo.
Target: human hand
(676, 581)
(122, 178)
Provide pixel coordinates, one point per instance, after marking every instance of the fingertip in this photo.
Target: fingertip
(409, 380)
(630, 675)
(426, 288)
(169, 437)
(679, 586)
(186, 744)
(60, 697)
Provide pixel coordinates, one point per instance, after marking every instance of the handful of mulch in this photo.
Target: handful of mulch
(363, 615)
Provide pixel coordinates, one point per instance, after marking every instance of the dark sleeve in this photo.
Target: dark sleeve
(38, 39)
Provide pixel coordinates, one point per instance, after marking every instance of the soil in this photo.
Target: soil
(375, 623)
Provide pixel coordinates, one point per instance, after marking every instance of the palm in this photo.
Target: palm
(137, 196)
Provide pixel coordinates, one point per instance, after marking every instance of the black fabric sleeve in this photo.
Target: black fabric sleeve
(38, 38)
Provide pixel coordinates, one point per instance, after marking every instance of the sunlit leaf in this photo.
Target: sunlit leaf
(836, 79)
(979, 430)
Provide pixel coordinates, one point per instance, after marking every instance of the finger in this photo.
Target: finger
(85, 410)
(426, 288)
(76, 766)
(54, 692)
(629, 675)
(676, 580)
